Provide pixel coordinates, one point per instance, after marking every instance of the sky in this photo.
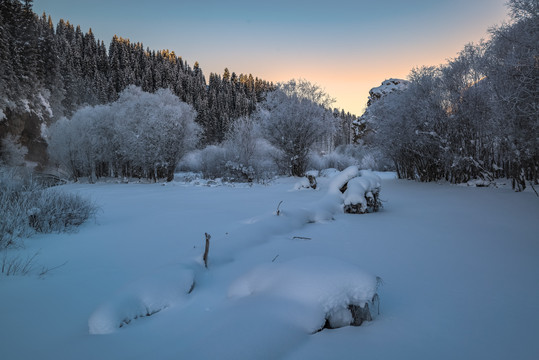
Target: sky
(346, 47)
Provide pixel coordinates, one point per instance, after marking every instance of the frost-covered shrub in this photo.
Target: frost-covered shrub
(243, 156)
(26, 207)
(294, 118)
(139, 135)
(248, 155)
(212, 160)
(55, 210)
(331, 160)
(15, 195)
(12, 153)
(347, 155)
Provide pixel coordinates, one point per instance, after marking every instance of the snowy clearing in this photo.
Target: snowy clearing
(459, 267)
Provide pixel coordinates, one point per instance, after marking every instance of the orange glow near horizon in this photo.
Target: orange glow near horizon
(346, 47)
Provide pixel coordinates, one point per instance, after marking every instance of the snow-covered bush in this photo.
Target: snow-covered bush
(243, 156)
(294, 118)
(347, 155)
(15, 194)
(212, 160)
(26, 207)
(248, 154)
(55, 211)
(12, 153)
(140, 135)
(333, 160)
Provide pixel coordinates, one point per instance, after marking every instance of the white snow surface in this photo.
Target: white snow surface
(144, 297)
(322, 286)
(459, 267)
(387, 87)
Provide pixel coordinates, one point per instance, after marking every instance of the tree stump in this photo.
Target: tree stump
(312, 181)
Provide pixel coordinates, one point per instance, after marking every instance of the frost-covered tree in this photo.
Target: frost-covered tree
(141, 135)
(294, 118)
(247, 153)
(410, 126)
(512, 70)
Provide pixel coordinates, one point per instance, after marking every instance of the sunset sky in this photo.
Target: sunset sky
(347, 47)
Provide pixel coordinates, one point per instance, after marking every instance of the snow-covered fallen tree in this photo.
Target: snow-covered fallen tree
(360, 189)
(362, 193)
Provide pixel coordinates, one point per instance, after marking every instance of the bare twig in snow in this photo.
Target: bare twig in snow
(207, 249)
(279, 211)
(45, 271)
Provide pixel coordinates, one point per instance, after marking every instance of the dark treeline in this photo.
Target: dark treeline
(50, 72)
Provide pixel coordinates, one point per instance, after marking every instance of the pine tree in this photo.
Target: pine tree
(49, 66)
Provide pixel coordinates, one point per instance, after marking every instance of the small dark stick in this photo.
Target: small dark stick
(279, 211)
(208, 236)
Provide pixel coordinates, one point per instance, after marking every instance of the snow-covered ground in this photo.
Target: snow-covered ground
(460, 271)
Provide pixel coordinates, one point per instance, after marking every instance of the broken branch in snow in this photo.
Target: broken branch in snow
(45, 271)
(279, 211)
(207, 249)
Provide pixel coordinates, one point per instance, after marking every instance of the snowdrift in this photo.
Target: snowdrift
(327, 289)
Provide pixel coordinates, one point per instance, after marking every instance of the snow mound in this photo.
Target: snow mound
(303, 183)
(323, 286)
(143, 298)
(388, 86)
(329, 173)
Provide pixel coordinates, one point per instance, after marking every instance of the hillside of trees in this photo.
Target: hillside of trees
(475, 117)
(48, 71)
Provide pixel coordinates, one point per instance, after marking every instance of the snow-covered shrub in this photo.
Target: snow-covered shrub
(12, 153)
(15, 194)
(347, 155)
(212, 160)
(139, 135)
(54, 210)
(243, 156)
(26, 207)
(248, 155)
(294, 118)
(332, 160)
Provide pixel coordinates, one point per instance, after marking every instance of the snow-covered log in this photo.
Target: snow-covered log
(362, 193)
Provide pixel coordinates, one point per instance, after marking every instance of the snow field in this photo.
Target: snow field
(145, 297)
(459, 266)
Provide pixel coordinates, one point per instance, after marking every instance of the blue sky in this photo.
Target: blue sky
(347, 47)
